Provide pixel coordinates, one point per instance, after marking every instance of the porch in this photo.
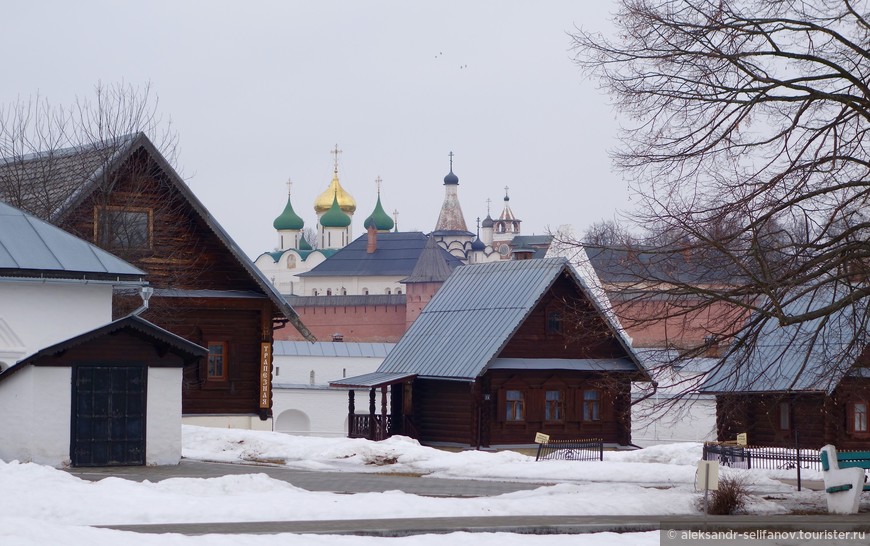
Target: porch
(379, 423)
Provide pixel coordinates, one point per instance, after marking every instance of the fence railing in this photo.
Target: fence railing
(591, 449)
(369, 426)
(783, 458)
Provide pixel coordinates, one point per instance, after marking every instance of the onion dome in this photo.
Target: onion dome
(477, 244)
(304, 244)
(335, 192)
(451, 179)
(379, 218)
(288, 219)
(488, 222)
(335, 217)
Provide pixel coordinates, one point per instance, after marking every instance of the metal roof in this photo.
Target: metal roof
(470, 319)
(53, 183)
(578, 364)
(396, 255)
(374, 379)
(332, 349)
(30, 246)
(637, 265)
(177, 345)
(812, 356)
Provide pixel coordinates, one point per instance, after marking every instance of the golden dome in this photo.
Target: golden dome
(324, 200)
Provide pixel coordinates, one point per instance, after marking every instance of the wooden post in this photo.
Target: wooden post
(383, 427)
(351, 410)
(372, 414)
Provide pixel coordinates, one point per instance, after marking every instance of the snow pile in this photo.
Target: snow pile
(39, 503)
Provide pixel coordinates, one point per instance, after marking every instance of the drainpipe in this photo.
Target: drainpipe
(145, 293)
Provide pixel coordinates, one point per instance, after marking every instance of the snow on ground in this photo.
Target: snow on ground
(41, 505)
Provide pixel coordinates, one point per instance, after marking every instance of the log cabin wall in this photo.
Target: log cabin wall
(772, 419)
(580, 332)
(443, 411)
(610, 421)
(185, 254)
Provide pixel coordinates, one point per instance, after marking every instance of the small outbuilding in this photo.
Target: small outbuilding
(76, 387)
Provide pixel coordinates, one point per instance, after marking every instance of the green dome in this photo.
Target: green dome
(379, 218)
(288, 219)
(334, 217)
(303, 244)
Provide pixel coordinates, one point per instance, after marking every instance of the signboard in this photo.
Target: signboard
(741, 439)
(541, 438)
(265, 375)
(707, 476)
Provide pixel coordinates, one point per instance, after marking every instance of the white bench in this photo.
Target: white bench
(844, 478)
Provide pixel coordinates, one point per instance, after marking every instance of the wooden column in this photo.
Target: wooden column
(351, 422)
(372, 424)
(383, 427)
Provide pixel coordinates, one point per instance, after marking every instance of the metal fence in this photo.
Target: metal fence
(783, 458)
(591, 449)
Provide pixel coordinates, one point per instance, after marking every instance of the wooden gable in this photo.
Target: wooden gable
(564, 324)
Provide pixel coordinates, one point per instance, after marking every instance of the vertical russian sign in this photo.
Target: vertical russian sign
(265, 375)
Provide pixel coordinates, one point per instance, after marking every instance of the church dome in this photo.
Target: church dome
(303, 244)
(288, 219)
(379, 218)
(488, 222)
(477, 244)
(335, 192)
(335, 217)
(451, 179)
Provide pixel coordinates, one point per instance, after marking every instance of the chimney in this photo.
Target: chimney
(373, 239)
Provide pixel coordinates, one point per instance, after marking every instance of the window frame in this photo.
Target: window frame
(852, 418)
(559, 406)
(514, 408)
(591, 406)
(108, 239)
(784, 416)
(224, 361)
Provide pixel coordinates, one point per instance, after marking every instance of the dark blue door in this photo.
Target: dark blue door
(108, 422)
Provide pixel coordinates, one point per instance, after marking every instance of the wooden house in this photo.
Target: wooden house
(123, 196)
(804, 384)
(502, 351)
(76, 387)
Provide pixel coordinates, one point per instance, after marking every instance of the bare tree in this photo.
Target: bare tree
(745, 140)
(74, 166)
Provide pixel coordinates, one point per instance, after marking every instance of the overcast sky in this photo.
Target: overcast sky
(260, 92)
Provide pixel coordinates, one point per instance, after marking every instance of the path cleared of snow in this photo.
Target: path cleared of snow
(42, 505)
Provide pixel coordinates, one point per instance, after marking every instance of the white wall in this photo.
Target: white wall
(245, 422)
(324, 407)
(35, 405)
(690, 420)
(42, 314)
(163, 421)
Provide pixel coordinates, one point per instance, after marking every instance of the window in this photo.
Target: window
(217, 360)
(553, 406)
(123, 228)
(554, 322)
(514, 406)
(784, 416)
(311, 377)
(859, 417)
(591, 406)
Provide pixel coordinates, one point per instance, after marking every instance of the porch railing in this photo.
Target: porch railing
(373, 427)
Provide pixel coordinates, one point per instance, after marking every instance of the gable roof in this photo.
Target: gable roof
(812, 356)
(30, 247)
(132, 323)
(396, 255)
(52, 184)
(465, 326)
